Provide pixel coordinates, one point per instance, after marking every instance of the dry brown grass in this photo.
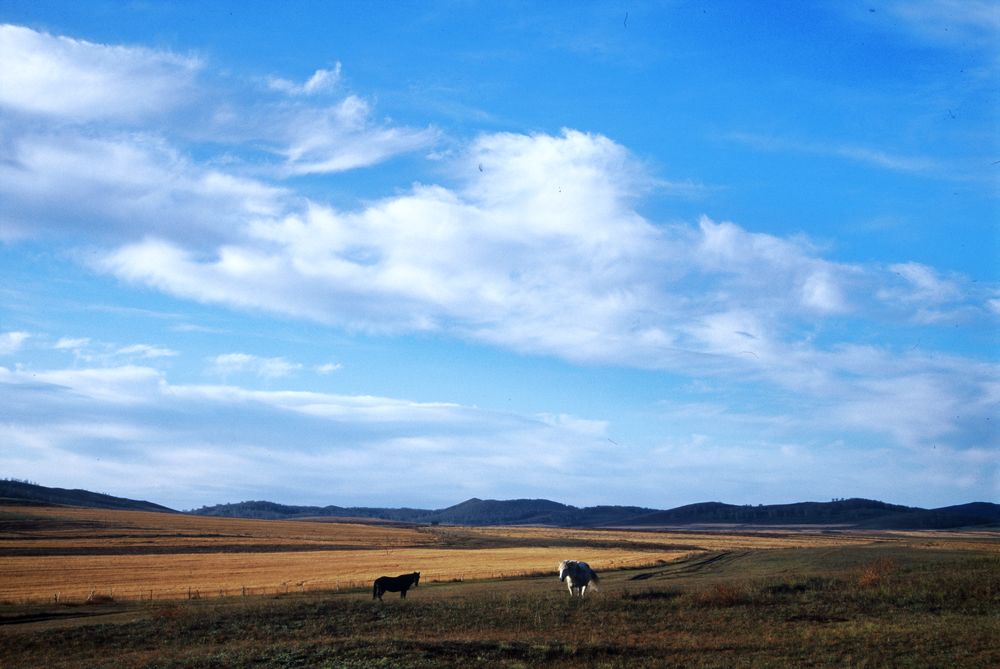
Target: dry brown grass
(57, 528)
(73, 553)
(215, 574)
(709, 541)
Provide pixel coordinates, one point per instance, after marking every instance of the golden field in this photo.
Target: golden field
(166, 594)
(222, 574)
(69, 553)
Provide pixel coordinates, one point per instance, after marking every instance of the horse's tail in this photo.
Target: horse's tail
(375, 591)
(594, 578)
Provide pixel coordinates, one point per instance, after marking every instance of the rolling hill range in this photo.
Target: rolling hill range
(853, 513)
(23, 492)
(847, 513)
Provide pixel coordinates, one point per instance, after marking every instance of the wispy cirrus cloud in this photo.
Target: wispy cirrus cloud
(322, 80)
(133, 111)
(146, 351)
(237, 363)
(91, 352)
(873, 157)
(960, 23)
(343, 137)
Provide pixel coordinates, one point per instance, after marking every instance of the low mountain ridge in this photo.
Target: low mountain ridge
(852, 513)
(32, 493)
(836, 512)
(847, 513)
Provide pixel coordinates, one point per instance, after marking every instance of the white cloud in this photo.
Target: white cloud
(148, 182)
(329, 367)
(336, 137)
(924, 284)
(50, 186)
(322, 80)
(86, 350)
(538, 248)
(756, 265)
(540, 251)
(82, 81)
(534, 244)
(343, 137)
(71, 343)
(146, 351)
(584, 426)
(225, 443)
(928, 297)
(113, 385)
(11, 342)
(268, 368)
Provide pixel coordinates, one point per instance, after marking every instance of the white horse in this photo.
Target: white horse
(577, 575)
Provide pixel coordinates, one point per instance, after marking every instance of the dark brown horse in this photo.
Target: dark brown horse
(398, 584)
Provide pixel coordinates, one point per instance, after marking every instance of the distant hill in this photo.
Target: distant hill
(848, 513)
(976, 514)
(31, 493)
(272, 511)
(854, 513)
(838, 512)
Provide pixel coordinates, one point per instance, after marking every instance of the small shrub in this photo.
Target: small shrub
(875, 573)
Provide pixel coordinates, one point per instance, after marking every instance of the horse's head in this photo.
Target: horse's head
(416, 578)
(563, 569)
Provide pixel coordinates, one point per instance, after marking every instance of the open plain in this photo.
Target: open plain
(172, 590)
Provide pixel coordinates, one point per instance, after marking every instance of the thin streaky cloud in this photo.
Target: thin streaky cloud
(856, 153)
(263, 367)
(322, 80)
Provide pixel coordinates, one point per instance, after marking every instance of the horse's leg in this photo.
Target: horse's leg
(583, 590)
(402, 593)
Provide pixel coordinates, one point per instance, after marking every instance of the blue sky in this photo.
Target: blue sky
(410, 253)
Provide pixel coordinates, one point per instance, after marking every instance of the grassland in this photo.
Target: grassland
(68, 554)
(666, 598)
